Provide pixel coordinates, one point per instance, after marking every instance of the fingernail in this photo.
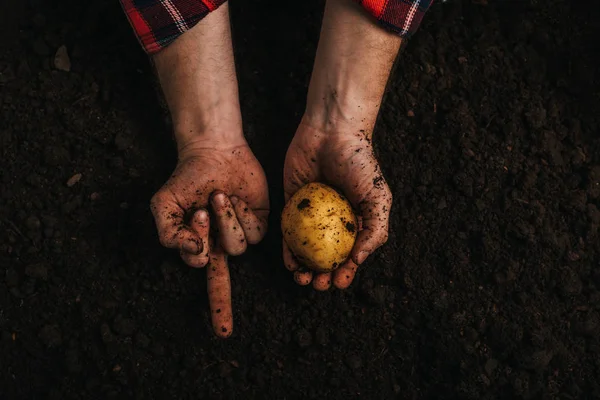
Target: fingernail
(362, 256)
(234, 200)
(219, 199)
(201, 216)
(190, 246)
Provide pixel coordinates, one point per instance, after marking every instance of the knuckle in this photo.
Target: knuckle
(200, 262)
(164, 241)
(237, 249)
(168, 240)
(157, 199)
(384, 238)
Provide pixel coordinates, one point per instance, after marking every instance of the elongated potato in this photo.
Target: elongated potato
(319, 227)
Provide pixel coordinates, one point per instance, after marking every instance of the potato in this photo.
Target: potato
(319, 227)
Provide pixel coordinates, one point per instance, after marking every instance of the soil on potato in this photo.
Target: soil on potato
(488, 287)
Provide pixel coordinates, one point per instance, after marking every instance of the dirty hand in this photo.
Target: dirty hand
(213, 205)
(344, 160)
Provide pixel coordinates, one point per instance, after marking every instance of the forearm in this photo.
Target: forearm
(190, 44)
(198, 78)
(352, 66)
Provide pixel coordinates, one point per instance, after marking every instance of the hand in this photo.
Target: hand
(345, 160)
(230, 183)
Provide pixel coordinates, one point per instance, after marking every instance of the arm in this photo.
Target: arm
(216, 201)
(352, 66)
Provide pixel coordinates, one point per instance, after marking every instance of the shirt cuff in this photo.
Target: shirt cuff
(157, 23)
(402, 17)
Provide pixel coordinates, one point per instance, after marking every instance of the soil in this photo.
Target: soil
(489, 287)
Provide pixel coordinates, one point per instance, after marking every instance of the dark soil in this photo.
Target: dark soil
(489, 287)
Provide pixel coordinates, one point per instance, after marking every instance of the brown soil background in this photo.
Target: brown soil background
(487, 289)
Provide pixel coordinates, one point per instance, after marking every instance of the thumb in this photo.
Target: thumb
(375, 213)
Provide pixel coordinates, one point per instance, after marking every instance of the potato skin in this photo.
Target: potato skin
(319, 226)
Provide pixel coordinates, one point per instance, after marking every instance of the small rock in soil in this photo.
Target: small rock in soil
(490, 366)
(116, 162)
(33, 223)
(51, 336)
(37, 271)
(106, 334)
(303, 338)
(122, 141)
(74, 179)
(62, 61)
(536, 117)
(375, 295)
(142, 340)
(442, 204)
(134, 173)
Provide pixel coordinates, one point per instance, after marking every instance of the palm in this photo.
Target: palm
(346, 162)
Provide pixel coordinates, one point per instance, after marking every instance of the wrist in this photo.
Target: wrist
(218, 129)
(340, 111)
(197, 139)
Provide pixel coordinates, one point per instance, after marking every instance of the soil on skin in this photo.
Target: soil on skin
(489, 287)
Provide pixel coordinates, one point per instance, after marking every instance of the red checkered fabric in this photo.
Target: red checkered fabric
(400, 16)
(157, 23)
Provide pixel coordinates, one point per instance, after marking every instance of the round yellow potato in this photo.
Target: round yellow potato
(319, 227)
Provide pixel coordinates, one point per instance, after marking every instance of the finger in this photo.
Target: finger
(231, 235)
(303, 277)
(171, 228)
(288, 258)
(375, 212)
(219, 293)
(343, 276)
(200, 225)
(322, 282)
(253, 222)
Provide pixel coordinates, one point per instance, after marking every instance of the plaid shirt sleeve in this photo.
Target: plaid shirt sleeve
(157, 23)
(400, 16)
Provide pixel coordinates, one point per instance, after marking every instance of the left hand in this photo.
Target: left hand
(345, 160)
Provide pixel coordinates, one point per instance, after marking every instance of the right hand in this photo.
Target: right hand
(346, 161)
(229, 185)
